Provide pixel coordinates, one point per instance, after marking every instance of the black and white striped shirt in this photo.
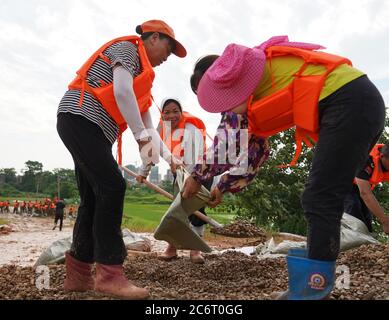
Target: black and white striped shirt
(124, 53)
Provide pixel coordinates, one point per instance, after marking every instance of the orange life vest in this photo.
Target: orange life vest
(378, 175)
(297, 104)
(142, 85)
(175, 145)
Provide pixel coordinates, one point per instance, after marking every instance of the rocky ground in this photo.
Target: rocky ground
(240, 229)
(231, 275)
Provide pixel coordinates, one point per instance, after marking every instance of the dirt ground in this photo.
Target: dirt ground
(228, 276)
(28, 239)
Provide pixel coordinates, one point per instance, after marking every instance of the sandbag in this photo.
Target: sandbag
(353, 233)
(55, 253)
(135, 242)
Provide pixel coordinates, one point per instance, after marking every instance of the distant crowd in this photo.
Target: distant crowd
(41, 208)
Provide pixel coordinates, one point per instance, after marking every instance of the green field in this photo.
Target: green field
(144, 214)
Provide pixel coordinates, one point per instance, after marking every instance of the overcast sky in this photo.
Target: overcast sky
(44, 42)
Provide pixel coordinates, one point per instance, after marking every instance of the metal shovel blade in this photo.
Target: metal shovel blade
(174, 226)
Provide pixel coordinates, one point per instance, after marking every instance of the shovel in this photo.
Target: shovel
(174, 227)
(159, 190)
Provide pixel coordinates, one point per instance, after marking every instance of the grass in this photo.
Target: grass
(142, 217)
(143, 214)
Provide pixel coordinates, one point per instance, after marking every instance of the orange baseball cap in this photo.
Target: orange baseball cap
(163, 27)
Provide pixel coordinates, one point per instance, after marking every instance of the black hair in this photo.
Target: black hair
(145, 35)
(201, 67)
(385, 150)
(170, 101)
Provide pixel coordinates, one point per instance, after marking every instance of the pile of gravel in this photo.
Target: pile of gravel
(240, 228)
(230, 276)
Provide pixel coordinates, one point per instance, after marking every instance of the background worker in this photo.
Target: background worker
(361, 202)
(59, 213)
(184, 135)
(16, 207)
(30, 207)
(71, 212)
(6, 206)
(23, 207)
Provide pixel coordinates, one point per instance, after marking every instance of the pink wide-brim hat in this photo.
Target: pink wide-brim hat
(231, 79)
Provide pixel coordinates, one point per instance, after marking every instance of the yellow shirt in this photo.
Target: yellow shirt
(283, 69)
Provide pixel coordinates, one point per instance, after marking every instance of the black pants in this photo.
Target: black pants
(351, 121)
(97, 235)
(194, 220)
(59, 217)
(356, 207)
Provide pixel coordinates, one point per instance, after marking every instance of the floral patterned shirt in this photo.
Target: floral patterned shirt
(232, 138)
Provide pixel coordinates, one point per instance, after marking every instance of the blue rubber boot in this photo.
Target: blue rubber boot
(308, 279)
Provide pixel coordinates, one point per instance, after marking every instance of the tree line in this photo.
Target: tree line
(34, 180)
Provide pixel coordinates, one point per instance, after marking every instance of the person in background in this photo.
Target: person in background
(361, 202)
(52, 207)
(184, 135)
(59, 214)
(30, 207)
(6, 206)
(71, 212)
(16, 207)
(23, 207)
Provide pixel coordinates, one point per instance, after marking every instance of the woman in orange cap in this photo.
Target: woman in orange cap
(111, 91)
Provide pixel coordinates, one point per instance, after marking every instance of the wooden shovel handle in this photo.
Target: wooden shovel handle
(171, 197)
(152, 186)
